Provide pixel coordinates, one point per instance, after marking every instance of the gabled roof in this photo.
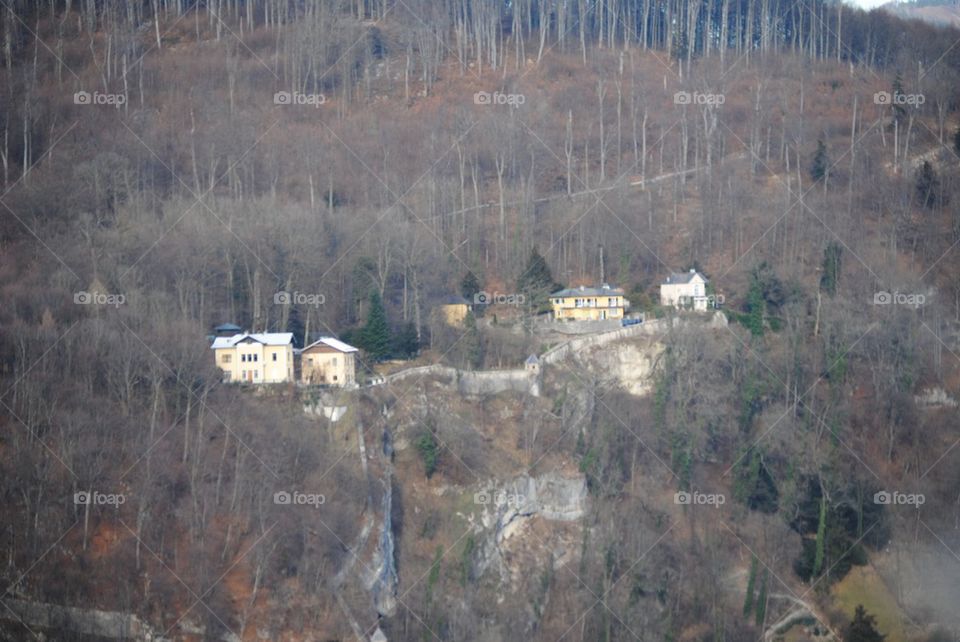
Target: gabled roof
(532, 359)
(228, 327)
(330, 342)
(677, 278)
(604, 290)
(266, 338)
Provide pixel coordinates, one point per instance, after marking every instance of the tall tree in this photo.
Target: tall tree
(831, 268)
(374, 336)
(469, 285)
(536, 282)
(821, 162)
(862, 628)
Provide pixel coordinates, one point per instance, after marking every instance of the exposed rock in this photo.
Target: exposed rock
(935, 398)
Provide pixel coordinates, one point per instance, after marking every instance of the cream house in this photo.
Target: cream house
(685, 290)
(255, 357)
(328, 362)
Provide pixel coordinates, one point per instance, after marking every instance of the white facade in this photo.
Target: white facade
(255, 358)
(687, 290)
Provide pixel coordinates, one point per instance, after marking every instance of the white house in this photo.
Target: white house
(265, 357)
(685, 290)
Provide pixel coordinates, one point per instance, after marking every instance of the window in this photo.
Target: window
(334, 377)
(334, 362)
(310, 360)
(243, 358)
(274, 356)
(256, 374)
(226, 358)
(255, 357)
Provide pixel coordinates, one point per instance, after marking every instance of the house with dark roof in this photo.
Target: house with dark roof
(685, 290)
(588, 303)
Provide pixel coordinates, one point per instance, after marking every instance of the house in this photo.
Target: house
(685, 290)
(226, 330)
(587, 303)
(453, 310)
(328, 361)
(255, 357)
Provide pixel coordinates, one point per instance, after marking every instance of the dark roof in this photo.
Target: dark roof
(532, 359)
(683, 277)
(604, 290)
(227, 327)
(453, 299)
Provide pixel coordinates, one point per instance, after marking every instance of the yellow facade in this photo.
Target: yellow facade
(588, 304)
(255, 358)
(454, 313)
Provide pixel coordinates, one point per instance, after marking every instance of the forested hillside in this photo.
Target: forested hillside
(341, 168)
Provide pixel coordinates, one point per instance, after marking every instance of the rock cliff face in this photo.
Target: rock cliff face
(516, 542)
(382, 582)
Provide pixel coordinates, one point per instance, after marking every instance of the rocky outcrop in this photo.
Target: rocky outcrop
(382, 582)
(507, 512)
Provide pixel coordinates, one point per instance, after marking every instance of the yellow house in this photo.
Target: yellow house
(328, 362)
(588, 304)
(453, 310)
(255, 357)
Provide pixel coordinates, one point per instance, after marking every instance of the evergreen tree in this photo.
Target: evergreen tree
(405, 343)
(472, 343)
(755, 309)
(536, 282)
(760, 612)
(831, 268)
(374, 336)
(898, 110)
(862, 628)
(751, 581)
(469, 286)
(956, 141)
(821, 538)
(928, 185)
(821, 162)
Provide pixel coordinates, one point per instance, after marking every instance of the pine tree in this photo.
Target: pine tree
(755, 309)
(469, 286)
(821, 162)
(928, 186)
(751, 581)
(536, 282)
(472, 344)
(831, 268)
(405, 343)
(898, 110)
(821, 538)
(374, 336)
(862, 628)
(760, 612)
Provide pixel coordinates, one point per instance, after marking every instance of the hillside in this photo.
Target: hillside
(756, 471)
